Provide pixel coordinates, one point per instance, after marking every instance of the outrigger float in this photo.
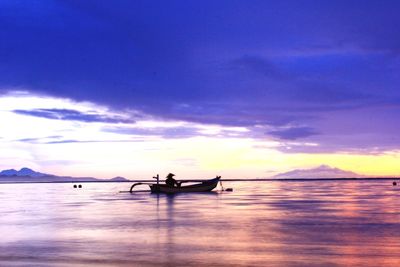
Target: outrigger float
(198, 186)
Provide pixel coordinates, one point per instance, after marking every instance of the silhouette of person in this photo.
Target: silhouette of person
(171, 181)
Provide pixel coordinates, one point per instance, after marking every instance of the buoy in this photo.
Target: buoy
(74, 185)
(394, 183)
(80, 186)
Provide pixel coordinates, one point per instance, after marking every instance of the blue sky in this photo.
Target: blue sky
(310, 77)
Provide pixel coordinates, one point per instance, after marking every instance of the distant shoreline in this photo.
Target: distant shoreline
(198, 180)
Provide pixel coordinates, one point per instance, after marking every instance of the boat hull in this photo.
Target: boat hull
(205, 186)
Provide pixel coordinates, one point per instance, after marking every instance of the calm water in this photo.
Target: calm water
(329, 223)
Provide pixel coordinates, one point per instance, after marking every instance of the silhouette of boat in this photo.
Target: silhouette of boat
(203, 186)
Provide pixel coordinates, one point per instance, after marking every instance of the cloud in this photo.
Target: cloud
(68, 141)
(294, 133)
(260, 65)
(249, 64)
(336, 97)
(72, 115)
(62, 140)
(39, 139)
(165, 132)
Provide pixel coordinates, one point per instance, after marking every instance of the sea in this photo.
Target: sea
(268, 223)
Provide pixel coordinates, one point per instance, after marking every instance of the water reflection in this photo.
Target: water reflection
(270, 224)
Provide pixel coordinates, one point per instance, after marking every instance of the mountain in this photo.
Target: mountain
(28, 175)
(323, 171)
(119, 179)
(23, 172)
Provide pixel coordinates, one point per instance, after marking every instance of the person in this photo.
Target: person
(171, 181)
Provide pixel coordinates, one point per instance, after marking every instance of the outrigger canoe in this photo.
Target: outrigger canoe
(204, 186)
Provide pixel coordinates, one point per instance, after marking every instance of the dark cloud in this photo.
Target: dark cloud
(39, 139)
(61, 140)
(294, 133)
(236, 63)
(333, 97)
(260, 66)
(68, 141)
(73, 115)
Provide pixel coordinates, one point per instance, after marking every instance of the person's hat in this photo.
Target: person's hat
(170, 174)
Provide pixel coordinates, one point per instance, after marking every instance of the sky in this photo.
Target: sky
(241, 89)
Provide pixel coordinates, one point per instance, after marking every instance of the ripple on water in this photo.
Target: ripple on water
(327, 223)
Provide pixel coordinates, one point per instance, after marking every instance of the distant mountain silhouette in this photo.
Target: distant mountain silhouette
(118, 179)
(323, 171)
(29, 175)
(23, 172)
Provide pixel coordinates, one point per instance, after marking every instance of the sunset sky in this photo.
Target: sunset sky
(241, 89)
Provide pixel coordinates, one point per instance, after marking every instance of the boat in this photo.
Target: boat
(203, 186)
